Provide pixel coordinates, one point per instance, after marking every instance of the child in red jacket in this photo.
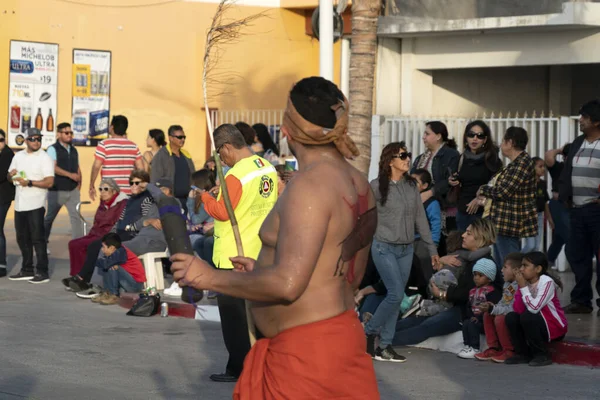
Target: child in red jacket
(538, 318)
(122, 270)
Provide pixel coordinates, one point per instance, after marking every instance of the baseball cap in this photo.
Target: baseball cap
(32, 132)
(164, 183)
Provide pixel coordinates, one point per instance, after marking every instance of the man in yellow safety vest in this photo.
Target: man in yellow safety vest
(252, 186)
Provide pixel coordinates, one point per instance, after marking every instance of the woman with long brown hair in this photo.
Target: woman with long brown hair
(400, 214)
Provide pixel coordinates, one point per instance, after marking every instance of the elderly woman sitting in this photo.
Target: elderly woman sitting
(413, 330)
(112, 203)
(138, 227)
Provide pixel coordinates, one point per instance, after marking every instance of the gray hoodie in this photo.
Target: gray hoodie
(402, 215)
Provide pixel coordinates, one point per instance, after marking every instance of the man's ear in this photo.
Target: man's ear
(286, 133)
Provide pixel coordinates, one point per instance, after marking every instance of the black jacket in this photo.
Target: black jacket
(7, 189)
(565, 186)
(459, 294)
(445, 163)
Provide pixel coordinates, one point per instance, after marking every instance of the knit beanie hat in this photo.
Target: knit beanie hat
(486, 267)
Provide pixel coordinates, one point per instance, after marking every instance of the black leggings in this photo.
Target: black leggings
(528, 333)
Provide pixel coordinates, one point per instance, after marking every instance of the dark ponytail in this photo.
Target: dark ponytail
(539, 258)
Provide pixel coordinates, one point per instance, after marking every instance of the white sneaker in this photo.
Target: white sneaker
(467, 352)
(174, 290)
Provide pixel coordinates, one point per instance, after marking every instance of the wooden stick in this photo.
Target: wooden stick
(222, 32)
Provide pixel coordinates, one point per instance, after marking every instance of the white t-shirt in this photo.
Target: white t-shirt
(36, 166)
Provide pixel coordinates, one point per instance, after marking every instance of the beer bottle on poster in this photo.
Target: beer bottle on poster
(25, 118)
(39, 120)
(15, 117)
(50, 122)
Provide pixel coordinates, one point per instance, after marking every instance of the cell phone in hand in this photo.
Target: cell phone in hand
(195, 187)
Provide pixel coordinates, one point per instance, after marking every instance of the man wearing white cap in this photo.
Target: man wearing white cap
(32, 172)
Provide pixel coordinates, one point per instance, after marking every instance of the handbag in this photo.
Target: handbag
(454, 192)
(146, 305)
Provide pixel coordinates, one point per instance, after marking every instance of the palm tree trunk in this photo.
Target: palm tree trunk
(363, 53)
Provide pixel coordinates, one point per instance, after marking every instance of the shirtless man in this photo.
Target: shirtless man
(315, 247)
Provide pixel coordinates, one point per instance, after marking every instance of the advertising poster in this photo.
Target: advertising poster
(91, 96)
(33, 79)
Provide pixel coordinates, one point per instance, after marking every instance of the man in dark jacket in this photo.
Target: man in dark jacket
(7, 195)
(67, 181)
(579, 188)
(174, 163)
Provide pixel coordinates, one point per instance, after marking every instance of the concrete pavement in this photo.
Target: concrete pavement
(56, 346)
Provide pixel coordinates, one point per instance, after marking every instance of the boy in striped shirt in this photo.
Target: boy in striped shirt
(116, 157)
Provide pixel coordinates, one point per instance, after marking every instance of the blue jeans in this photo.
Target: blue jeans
(584, 245)
(463, 220)
(504, 246)
(560, 235)
(120, 279)
(204, 248)
(3, 211)
(414, 330)
(533, 243)
(393, 263)
(371, 303)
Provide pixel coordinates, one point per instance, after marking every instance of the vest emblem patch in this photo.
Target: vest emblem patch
(266, 186)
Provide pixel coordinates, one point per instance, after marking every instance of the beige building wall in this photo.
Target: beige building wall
(157, 56)
(468, 92)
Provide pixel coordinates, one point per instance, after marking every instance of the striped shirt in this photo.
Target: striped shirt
(585, 177)
(118, 156)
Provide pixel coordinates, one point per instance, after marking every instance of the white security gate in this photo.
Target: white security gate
(545, 133)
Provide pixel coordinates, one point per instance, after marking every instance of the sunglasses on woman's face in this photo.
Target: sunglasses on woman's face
(136, 183)
(403, 155)
(105, 189)
(472, 134)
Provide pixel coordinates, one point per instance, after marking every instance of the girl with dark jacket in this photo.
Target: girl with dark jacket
(477, 165)
(7, 195)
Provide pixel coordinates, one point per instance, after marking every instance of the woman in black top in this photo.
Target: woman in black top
(7, 195)
(477, 165)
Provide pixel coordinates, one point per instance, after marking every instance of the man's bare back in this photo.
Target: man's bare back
(326, 213)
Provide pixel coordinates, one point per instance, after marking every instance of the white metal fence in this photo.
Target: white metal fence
(545, 133)
(271, 118)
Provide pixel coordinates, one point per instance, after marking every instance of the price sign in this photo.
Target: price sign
(32, 91)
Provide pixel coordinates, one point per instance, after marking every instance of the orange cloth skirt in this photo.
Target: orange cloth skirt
(323, 360)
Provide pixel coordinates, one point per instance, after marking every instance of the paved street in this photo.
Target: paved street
(55, 346)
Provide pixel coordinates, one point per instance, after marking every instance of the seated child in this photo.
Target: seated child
(500, 347)
(122, 270)
(432, 208)
(448, 275)
(484, 273)
(538, 318)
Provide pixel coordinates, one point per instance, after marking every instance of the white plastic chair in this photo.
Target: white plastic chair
(154, 269)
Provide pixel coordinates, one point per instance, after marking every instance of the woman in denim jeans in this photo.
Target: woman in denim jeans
(7, 195)
(400, 214)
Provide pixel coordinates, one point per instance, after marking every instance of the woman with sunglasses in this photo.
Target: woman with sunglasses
(7, 195)
(477, 165)
(112, 204)
(138, 227)
(400, 213)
